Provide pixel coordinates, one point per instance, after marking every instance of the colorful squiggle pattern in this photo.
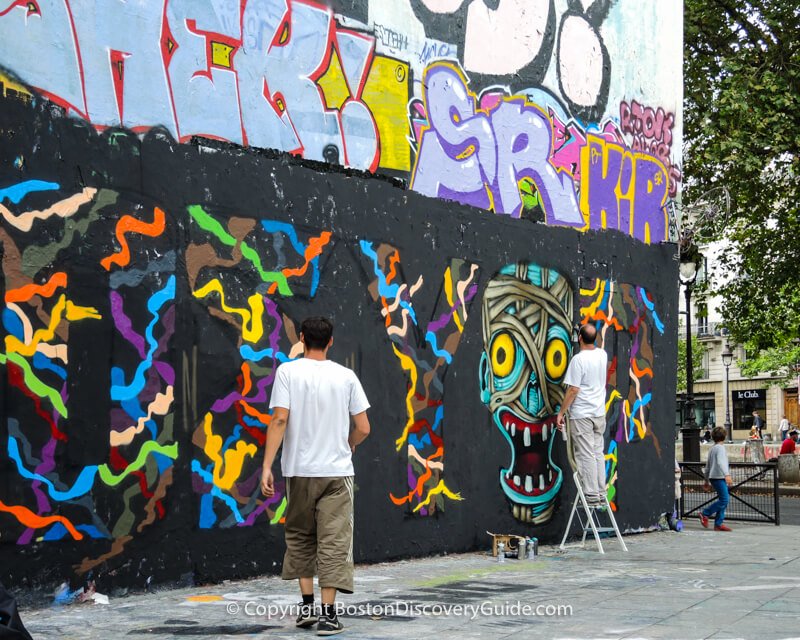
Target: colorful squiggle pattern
(425, 362)
(619, 310)
(227, 468)
(37, 314)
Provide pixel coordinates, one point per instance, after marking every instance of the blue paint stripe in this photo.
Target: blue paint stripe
(431, 338)
(217, 493)
(17, 192)
(82, 485)
(157, 300)
(248, 353)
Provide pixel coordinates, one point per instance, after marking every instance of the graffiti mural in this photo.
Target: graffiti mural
(528, 38)
(492, 151)
(41, 321)
(281, 74)
(527, 334)
(181, 183)
(422, 435)
(391, 95)
(227, 470)
(626, 319)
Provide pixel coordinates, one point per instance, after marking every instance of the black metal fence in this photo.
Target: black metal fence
(754, 493)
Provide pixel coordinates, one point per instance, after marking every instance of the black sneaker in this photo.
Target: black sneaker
(308, 615)
(329, 626)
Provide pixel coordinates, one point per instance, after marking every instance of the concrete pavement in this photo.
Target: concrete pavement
(693, 584)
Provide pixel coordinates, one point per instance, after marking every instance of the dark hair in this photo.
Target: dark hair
(718, 434)
(588, 334)
(317, 332)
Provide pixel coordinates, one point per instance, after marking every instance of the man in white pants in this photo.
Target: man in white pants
(585, 400)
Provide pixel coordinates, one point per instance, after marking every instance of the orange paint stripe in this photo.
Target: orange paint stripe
(647, 371)
(129, 224)
(313, 249)
(255, 413)
(23, 294)
(35, 521)
(248, 381)
(388, 313)
(393, 260)
(601, 315)
(420, 481)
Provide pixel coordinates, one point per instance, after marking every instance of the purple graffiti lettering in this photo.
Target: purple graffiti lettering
(479, 159)
(624, 190)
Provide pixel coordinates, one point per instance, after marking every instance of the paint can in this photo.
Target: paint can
(501, 552)
(533, 548)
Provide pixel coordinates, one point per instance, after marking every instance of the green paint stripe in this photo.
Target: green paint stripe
(207, 223)
(35, 385)
(108, 476)
(279, 512)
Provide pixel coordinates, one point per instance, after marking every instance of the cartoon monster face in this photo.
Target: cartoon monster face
(527, 320)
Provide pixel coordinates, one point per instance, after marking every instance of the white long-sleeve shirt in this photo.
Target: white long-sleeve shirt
(717, 464)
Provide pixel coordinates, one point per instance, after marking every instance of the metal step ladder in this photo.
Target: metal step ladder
(590, 521)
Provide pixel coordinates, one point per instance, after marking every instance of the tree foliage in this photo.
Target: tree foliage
(782, 363)
(742, 130)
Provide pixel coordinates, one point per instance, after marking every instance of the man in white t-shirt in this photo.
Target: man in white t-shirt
(313, 400)
(585, 399)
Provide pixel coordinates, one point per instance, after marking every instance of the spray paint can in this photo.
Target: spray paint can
(533, 548)
(501, 552)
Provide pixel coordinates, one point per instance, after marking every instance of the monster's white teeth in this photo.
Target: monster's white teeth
(544, 432)
(541, 482)
(528, 484)
(549, 475)
(526, 437)
(513, 429)
(516, 481)
(506, 425)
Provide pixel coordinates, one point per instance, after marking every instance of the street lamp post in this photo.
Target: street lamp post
(727, 358)
(690, 431)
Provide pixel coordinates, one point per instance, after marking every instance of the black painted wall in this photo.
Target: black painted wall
(135, 176)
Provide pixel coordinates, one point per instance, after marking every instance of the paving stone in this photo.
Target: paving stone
(694, 584)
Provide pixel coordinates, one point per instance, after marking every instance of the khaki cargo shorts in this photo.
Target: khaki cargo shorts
(319, 531)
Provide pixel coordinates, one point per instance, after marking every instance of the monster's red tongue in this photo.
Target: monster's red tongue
(530, 462)
(532, 474)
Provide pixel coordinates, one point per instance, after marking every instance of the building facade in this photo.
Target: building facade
(740, 396)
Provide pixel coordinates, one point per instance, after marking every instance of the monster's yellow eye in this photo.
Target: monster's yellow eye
(555, 359)
(503, 353)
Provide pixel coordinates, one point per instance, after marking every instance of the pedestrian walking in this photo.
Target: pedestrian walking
(784, 428)
(758, 423)
(313, 400)
(585, 399)
(717, 474)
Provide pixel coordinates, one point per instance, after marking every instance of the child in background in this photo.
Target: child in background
(718, 475)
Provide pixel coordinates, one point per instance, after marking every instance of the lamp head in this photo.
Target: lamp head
(727, 356)
(690, 260)
(688, 271)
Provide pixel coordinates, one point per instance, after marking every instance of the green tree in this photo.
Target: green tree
(698, 350)
(742, 131)
(783, 363)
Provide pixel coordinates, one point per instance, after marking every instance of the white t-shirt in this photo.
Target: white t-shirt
(320, 396)
(587, 371)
